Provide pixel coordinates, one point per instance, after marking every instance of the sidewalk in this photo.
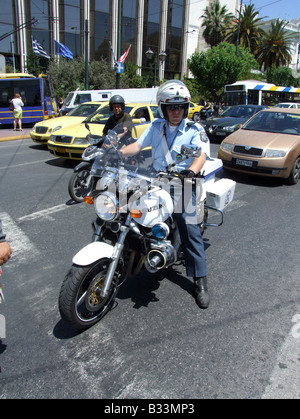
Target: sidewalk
(8, 134)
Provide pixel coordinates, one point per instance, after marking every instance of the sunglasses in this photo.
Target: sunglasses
(175, 107)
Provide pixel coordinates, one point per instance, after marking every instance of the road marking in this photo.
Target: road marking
(24, 251)
(285, 377)
(22, 164)
(44, 213)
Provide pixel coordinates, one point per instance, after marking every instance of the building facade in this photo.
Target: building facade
(89, 28)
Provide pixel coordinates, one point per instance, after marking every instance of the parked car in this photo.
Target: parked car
(231, 119)
(69, 142)
(41, 131)
(287, 105)
(268, 145)
(194, 112)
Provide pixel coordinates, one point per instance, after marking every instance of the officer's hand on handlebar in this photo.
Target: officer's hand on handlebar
(187, 174)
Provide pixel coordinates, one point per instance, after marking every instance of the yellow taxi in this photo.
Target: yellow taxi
(70, 142)
(194, 112)
(41, 131)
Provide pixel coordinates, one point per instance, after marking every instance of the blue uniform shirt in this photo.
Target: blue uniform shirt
(186, 133)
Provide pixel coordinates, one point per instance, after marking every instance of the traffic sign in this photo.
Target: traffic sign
(119, 67)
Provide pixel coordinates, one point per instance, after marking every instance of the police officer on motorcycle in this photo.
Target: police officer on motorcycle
(117, 106)
(166, 135)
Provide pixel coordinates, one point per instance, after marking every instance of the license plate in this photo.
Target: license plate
(241, 162)
(222, 134)
(60, 150)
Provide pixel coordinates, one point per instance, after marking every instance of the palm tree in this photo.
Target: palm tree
(246, 27)
(274, 47)
(216, 20)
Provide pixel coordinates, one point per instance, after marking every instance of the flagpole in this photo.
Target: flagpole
(86, 55)
(119, 39)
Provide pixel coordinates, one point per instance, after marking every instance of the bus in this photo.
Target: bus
(36, 93)
(253, 92)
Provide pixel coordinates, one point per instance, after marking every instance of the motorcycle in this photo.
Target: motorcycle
(134, 230)
(80, 183)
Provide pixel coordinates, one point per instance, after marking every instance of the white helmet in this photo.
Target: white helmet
(172, 92)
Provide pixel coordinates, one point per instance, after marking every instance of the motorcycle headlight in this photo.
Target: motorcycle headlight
(106, 206)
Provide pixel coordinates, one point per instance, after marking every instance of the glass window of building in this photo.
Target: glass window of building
(100, 29)
(70, 35)
(151, 26)
(9, 44)
(174, 36)
(129, 28)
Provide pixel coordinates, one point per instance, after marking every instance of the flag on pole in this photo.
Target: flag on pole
(61, 49)
(39, 50)
(124, 56)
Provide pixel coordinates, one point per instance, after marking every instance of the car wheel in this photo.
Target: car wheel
(295, 173)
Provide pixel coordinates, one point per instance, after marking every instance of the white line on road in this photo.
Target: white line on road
(23, 164)
(44, 213)
(24, 251)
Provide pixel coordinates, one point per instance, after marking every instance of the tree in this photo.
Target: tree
(282, 76)
(219, 66)
(247, 25)
(216, 22)
(69, 75)
(274, 47)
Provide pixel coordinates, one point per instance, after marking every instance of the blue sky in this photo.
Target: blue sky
(282, 9)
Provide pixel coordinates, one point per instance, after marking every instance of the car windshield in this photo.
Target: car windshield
(279, 122)
(239, 111)
(84, 109)
(102, 115)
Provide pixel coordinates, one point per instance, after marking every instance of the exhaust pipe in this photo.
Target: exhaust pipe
(160, 257)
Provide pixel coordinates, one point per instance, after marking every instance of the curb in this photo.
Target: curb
(14, 138)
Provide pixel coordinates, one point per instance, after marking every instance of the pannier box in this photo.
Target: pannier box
(220, 193)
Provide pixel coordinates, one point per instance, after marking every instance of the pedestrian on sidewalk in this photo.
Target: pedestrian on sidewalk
(17, 112)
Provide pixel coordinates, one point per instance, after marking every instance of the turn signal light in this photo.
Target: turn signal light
(89, 200)
(135, 213)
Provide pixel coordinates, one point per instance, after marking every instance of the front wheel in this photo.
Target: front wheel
(80, 302)
(295, 173)
(77, 185)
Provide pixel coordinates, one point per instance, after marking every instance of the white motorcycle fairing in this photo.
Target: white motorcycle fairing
(93, 252)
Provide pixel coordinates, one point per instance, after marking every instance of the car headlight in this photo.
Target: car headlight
(34, 128)
(106, 206)
(79, 140)
(275, 153)
(56, 128)
(226, 146)
(53, 138)
(232, 128)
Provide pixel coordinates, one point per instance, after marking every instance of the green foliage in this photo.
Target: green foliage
(69, 75)
(282, 76)
(36, 64)
(218, 66)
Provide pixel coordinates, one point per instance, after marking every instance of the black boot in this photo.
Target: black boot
(202, 296)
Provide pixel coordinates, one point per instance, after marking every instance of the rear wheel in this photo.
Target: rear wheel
(77, 185)
(80, 302)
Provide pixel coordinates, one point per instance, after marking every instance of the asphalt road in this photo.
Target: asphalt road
(156, 343)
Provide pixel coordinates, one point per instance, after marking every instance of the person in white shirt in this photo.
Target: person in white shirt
(17, 102)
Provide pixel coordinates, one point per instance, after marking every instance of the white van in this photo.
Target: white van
(143, 95)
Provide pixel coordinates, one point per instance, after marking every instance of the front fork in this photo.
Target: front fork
(118, 248)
